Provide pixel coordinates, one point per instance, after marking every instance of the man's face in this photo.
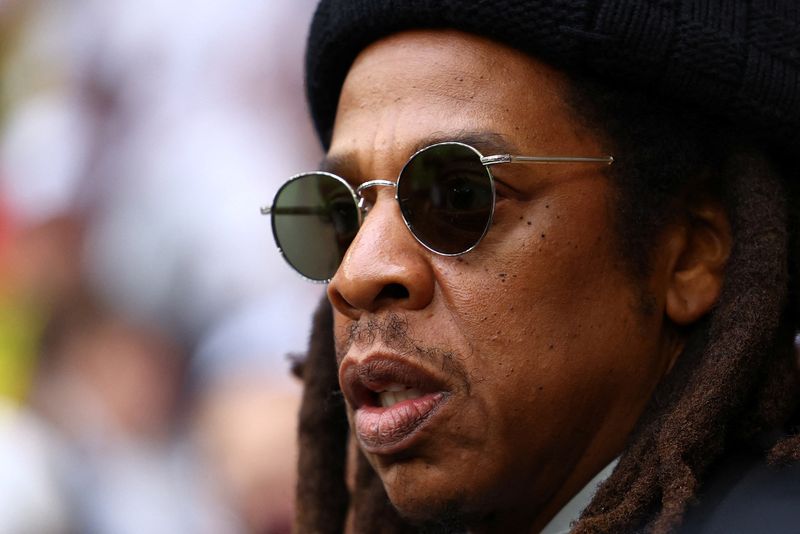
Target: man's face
(517, 370)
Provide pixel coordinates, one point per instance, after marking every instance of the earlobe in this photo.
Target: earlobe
(698, 269)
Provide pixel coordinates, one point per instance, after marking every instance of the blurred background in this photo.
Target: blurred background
(145, 316)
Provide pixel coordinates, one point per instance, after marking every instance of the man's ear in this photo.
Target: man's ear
(700, 249)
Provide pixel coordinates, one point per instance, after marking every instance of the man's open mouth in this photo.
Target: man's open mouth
(395, 393)
(391, 401)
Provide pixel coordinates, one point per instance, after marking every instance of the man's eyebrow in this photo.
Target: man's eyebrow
(488, 143)
(336, 164)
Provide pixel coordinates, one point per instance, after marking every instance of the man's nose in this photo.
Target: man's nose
(384, 265)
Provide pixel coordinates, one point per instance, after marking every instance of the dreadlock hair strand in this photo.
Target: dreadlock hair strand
(322, 498)
(694, 415)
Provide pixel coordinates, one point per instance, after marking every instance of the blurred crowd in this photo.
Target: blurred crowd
(145, 317)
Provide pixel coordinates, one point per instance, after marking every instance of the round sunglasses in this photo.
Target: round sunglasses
(445, 191)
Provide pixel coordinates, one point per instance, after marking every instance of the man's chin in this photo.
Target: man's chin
(437, 517)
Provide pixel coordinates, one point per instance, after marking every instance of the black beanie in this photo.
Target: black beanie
(737, 59)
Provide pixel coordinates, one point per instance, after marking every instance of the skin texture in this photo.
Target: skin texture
(546, 355)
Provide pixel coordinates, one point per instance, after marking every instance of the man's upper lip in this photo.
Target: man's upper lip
(362, 380)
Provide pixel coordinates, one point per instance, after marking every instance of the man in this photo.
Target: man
(557, 236)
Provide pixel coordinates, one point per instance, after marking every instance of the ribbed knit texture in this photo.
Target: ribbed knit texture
(738, 59)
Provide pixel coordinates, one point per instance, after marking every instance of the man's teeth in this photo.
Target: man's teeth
(397, 393)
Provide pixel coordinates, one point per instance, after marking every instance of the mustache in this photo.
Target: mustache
(393, 332)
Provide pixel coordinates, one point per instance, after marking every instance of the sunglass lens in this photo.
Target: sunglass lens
(314, 220)
(446, 197)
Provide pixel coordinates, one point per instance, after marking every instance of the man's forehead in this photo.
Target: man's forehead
(390, 109)
(431, 49)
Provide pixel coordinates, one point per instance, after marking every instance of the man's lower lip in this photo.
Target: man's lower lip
(390, 430)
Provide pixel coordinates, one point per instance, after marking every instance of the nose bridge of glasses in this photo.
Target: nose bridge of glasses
(363, 203)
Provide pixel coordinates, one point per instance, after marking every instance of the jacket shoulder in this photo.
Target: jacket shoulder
(745, 495)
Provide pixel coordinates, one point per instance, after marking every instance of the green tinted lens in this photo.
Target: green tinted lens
(446, 197)
(314, 220)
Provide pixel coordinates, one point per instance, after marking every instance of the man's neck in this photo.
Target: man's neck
(570, 512)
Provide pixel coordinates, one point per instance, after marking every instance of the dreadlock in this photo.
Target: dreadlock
(736, 379)
(322, 497)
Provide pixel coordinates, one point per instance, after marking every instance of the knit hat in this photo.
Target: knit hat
(737, 59)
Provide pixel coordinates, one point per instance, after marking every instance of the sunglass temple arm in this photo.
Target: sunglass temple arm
(508, 158)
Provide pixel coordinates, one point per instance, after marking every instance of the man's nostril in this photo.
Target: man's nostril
(393, 292)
